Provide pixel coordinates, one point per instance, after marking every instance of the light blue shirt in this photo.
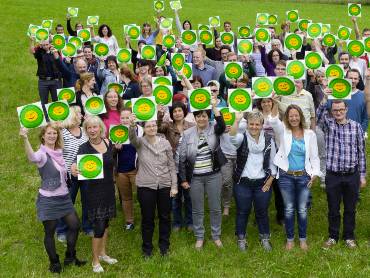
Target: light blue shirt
(297, 155)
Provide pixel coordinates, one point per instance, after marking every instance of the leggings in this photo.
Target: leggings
(50, 226)
(99, 226)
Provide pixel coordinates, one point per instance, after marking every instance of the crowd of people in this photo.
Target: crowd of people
(281, 148)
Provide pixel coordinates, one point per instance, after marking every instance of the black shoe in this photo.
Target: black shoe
(147, 255)
(164, 252)
(72, 259)
(55, 266)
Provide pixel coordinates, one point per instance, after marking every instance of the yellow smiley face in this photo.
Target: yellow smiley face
(292, 16)
(233, 70)
(133, 32)
(66, 96)
(339, 87)
(343, 33)
(178, 61)
(293, 42)
(188, 37)
(334, 73)
(283, 86)
(263, 86)
(143, 108)
(58, 42)
(367, 44)
(329, 40)
(162, 95)
(168, 41)
(200, 98)
(101, 49)
(94, 104)
(313, 60)
(295, 69)
(90, 166)
(115, 87)
(119, 133)
(305, 25)
(240, 99)
(356, 48)
(227, 116)
(31, 116)
(206, 36)
(123, 55)
(148, 52)
(354, 9)
(58, 110)
(314, 29)
(93, 20)
(262, 35)
(185, 71)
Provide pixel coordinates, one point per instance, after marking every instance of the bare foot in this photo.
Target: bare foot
(289, 245)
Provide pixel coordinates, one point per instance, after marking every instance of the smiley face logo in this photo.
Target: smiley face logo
(233, 70)
(178, 61)
(367, 44)
(262, 19)
(354, 9)
(304, 25)
(143, 108)
(329, 40)
(313, 60)
(205, 36)
(46, 24)
(240, 99)
(185, 71)
(284, 86)
(84, 35)
(58, 110)
(200, 98)
(148, 52)
(101, 49)
(93, 20)
(168, 41)
(334, 73)
(123, 56)
(263, 86)
(314, 30)
(227, 116)
(293, 42)
(58, 42)
(339, 87)
(31, 116)
(133, 32)
(295, 68)
(66, 96)
(158, 5)
(214, 21)
(262, 35)
(94, 104)
(188, 36)
(90, 166)
(162, 95)
(120, 133)
(355, 48)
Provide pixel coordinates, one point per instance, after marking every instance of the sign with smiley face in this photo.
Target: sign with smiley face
(334, 71)
(240, 100)
(202, 27)
(144, 108)
(233, 70)
(325, 28)
(262, 35)
(187, 70)
(47, 23)
(95, 105)
(158, 5)
(124, 56)
(162, 80)
(262, 87)
(245, 46)
(90, 166)
(341, 88)
(214, 21)
(272, 19)
(169, 41)
(189, 37)
(227, 38)
(163, 94)
(313, 60)
(293, 42)
(344, 33)
(42, 34)
(31, 115)
(118, 134)
(116, 87)
(205, 37)
(367, 44)
(58, 110)
(229, 117)
(69, 50)
(329, 40)
(356, 48)
(32, 28)
(166, 23)
(303, 24)
(354, 9)
(296, 69)
(72, 12)
(101, 49)
(127, 103)
(175, 5)
(292, 15)
(284, 86)
(67, 94)
(133, 31)
(177, 60)
(244, 31)
(76, 41)
(92, 20)
(148, 52)
(84, 35)
(200, 99)
(262, 18)
(314, 30)
(162, 60)
(59, 42)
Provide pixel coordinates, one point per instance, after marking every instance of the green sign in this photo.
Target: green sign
(42, 34)
(262, 18)
(367, 44)
(59, 42)
(296, 69)
(262, 35)
(293, 42)
(292, 15)
(144, 108)
(227, 38)
(67, 94)
(356, 48)
(175, 5)
(262, 87)
(133, 32)
(148, 52)
(31, 31)
(31, 115)
(354, 9)
(205, 37)
(240, 100)
(244, 31)
(313, 60)
(101, 49)
(162, 60)
(178, 60)
(245, 46)
(328, 40)
(58, 110)
(84, 35)
(200, 99)
(116, 87)
(189, 37)
(162, 80)
(95, 105)
(233, 70)
(344, 33)
(325, 28)
(92, 20)
(76, 41)
(169, 41)
(187, 70)
(229, 117)
(341, 88)
(284, 86)
(303, 24)
(272, 19)
(314, 30)
(214, 21)
(69, 50)
(118, 134)
(73, 12)
(124, 56)
(158, 5)
(48, 24)
(90, 166)
(163, 94)
(334, 71)
(202, 27)
(166, 24)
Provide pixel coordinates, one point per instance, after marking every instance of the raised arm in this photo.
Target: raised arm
(178, 22)
(36, 157)
(220, 123)
(134, 140)
(355, 27)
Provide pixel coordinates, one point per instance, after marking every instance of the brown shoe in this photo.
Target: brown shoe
(199, 244)
(303, 245)
(331, 242)
(351, 243)
(289, 245)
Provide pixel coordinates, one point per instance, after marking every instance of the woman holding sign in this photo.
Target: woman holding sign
(106, 36)
(113, 104)
(100, 192)
(299, 166)
(54, 201)
(108, 73)
(156, 182)
(85, 88)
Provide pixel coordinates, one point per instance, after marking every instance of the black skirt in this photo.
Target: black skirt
(53, 208)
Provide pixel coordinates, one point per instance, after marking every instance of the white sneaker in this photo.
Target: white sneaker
(108, 259)
(62, 238)
(98, 268)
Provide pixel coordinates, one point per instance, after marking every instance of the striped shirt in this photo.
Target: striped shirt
(345, 144)
(71, 145)
(203, 161)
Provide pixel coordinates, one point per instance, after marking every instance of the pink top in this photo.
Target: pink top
(40, 158)
(112, 118)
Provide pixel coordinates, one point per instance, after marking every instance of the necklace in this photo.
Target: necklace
(101, 140)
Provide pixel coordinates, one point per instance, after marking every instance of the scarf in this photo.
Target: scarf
(57, 157)
(253, 146)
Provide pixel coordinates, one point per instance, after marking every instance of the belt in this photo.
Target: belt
(47, 78)
(343, 173)
(296, 173)
(245, 179)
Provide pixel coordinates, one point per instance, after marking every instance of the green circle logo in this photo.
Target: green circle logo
(162, 81)
(32, 29)
(92, 20)
(203, 27)
(200, 99)
(90, 166)
(158, 5)
(178, 61)
(356, 48)
(244, 32)
(233, 70)
(94, 105)
(262, 19)
(341, 87)
(367, 44)
(313, 60)
(188, 37)
(59, 42)
(166, 23)
(229, 117)
(262, 87)
(296, 69)
(69, 50)
(262, 35)
(168, 41)
(325, 28)
(127, 104)
(227, 38)
(303, 24)
(31, 116)
(205, 37)
(314, 30)
(58, 111)
(144, 109)
(101, 49)
(46, 24)
(328, 40)
(214, 21)
(116, 86)
(240, 100)
(76, 41)
(187, 71)
(293, 42)
(334, 71)
(133, 32)
(283, 86)
(292, 16)
(245, 46)
(162, 94)
(272, 19)
(118, 134)
(343, 33)
(161, 60)
(73, 11)
(42, 34)
(148, 52)
(84, 34)
(124, 55)
(354, 10)
(67, 94)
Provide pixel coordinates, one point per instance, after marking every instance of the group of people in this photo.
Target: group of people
(284, 146)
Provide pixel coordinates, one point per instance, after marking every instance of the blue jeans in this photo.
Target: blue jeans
(246, 193)
(73, 186)
(177, 204)
(295, 195)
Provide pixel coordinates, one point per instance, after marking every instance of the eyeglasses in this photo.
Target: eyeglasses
(214, 91)
(338, 110)
(224, 53)
(280, 69)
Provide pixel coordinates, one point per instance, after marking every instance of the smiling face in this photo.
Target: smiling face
(186, 25)
(293, 118)
(254, 127)
(298, 85)
(178, 114)
(339, 111)
(112, 99)
(93, 131)
(50, 137)
(125, 117)
(146, 89)
(344, 60)
(355, 78)
(112, 65)
(91, 83)
(275, 57)
(200, 98)
(150, 128)
(320, 78)
(218, 43)
(202, 120)
(88, 53)
(105, 31)
(266, 105)
(79, 26)
(197, 58)
(60, 30)
(227, 27)
(81, 66)
(159, 71)
(31, 116)
(196, 84)
(58, 110)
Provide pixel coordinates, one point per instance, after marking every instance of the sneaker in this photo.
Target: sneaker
(351, 243)
(329, 243)
(97, 268)
(242, 244)
(108, 259)
(62, 238)
(266, 244)
(130, 226)
(218, 243)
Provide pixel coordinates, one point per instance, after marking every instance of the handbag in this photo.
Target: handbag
(218, 157)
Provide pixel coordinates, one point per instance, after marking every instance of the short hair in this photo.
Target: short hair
(111, 58)
(73, 119)
(227, 22)
(365, 30)
(281, 63)
(224, 46)
(337, 101)
(302, 122)
(54, 125)
(88, 46)
(178, 104)
(100, 30)
(146, 80)
(199, 112)
(343, 53)
(58, 26)
(94, 120)
(255, 115)
(231, 53)
(126, 71)
(198, 79)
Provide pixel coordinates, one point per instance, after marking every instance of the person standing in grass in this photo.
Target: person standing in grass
(54, 201)
(253, 176)
(345, 168)
(299, 166)
(113, 105)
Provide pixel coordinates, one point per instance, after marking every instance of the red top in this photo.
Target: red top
(112, 118)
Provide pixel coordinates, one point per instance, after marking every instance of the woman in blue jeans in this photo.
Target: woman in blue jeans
(253, 176)
(299, 166)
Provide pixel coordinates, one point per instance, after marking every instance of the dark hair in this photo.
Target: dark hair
(227, 22)
(126, 71)
(343, 53)
(225, 47)
(58, 25)
(302, 123)
(141, 41)
(281, 63)
(129, 109)
(78, 23)
(88, 46)
(187, 21)
(269, 55)
(365, 30)
(272, 27)
(146, 24)
(100, 31)
(259, 103)
(361, 85)
(178, 104)
(337, 101)
(111, 58)
(155, 68)
(199, 112)
(197, 78)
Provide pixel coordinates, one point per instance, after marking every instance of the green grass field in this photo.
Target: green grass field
(21, 236)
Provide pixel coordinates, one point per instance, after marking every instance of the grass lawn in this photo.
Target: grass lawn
(21, 236)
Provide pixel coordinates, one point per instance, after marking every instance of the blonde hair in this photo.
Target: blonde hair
(84, 78)
(255, 115)
(73, 120)
(94, 120)
(59, 143)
